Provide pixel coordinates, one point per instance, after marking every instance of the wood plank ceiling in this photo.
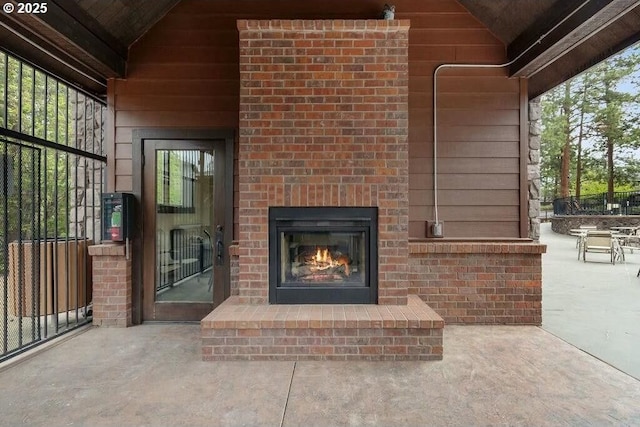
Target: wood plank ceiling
(549, 41)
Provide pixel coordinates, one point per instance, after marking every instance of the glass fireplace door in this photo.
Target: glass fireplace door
(327, 258)
(323, 255)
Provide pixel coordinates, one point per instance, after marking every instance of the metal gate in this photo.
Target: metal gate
(51, 177)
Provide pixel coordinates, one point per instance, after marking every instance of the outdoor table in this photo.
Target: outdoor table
(618, 244)
(624, 229)
(580, 233)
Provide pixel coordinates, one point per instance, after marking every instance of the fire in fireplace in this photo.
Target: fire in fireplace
(322, 255)
(323, 266)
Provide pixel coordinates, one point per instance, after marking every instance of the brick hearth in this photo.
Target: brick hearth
(237, 331)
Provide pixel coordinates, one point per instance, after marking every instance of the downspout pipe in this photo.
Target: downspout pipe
(460, 65)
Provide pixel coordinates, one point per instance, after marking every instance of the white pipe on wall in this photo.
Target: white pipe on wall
(458, 65)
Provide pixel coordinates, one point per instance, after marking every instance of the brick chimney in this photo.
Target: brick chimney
(323, 122)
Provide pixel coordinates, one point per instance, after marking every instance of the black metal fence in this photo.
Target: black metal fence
(51, 177)
(622, 203)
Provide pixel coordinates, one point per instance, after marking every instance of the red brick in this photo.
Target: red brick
(479, 295)
(338, 43)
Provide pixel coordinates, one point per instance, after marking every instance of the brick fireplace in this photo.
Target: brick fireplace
(323, 122)
(323, 125)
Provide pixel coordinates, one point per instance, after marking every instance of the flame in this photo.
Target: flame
(323, 260)
(323, 257)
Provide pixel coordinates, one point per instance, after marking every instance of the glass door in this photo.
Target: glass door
(184, 252)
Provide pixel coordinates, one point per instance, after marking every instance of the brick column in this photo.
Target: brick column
(112, 288)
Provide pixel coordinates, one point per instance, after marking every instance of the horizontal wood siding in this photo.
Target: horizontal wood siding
(478, 133)
(184, 74)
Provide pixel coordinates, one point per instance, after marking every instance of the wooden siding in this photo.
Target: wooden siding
(184, 74)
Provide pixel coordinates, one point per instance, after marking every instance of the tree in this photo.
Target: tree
(584, 109)
(566, 108)
(617, 129)
(590, 130)
(552, 143)
(37, 105)
(561, 118)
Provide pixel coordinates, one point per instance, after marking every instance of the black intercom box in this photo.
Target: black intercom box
(118, 216)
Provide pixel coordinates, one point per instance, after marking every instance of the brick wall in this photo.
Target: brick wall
(112, 288)
(323, 122)
(479, 283)
(234, 269)
(323, 344)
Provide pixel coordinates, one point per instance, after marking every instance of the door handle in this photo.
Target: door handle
(219, 245)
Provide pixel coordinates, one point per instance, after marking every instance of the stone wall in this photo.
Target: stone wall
(87, 179)
(533, 168)
(562, 224)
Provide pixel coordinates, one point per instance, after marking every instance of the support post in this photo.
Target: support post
(112, 286)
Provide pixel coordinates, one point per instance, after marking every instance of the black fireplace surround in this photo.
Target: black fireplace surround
(323, 255)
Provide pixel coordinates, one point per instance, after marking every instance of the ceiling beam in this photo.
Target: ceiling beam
(567, 24)
(72, 8)
(573, 64)
(30, 47)
(66, 20)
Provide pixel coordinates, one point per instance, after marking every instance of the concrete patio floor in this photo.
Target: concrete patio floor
(593, 305)
(152, 375)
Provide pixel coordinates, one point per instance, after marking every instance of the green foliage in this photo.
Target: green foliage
(600, 187)
(42, 179)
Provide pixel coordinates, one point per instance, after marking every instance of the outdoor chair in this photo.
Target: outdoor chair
(599, 242)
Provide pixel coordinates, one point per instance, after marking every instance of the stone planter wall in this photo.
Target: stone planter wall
(562, 224)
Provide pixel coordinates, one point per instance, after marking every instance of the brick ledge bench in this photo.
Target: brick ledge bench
(235, 331)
